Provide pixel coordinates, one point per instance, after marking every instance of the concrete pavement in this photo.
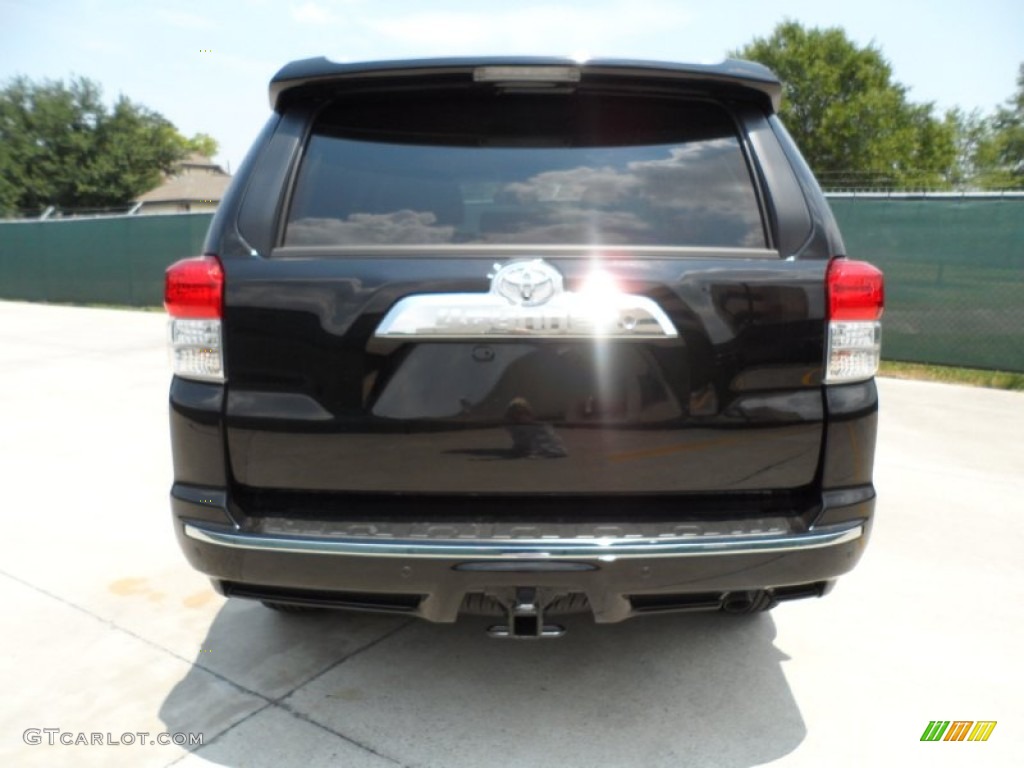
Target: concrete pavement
(109, 631)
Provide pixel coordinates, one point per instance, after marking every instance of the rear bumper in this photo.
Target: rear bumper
(434, 577)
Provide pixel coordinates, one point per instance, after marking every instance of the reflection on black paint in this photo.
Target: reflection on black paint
(531, 439)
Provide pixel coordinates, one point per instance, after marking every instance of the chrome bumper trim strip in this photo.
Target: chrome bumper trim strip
(601, 549)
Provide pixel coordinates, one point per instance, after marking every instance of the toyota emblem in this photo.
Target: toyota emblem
(526, 283)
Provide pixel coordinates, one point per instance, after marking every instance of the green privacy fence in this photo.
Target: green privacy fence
(954, 268)
(114, 260)
(954, 274)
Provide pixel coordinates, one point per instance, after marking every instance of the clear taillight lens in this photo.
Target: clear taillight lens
(856, 300)
(193, 297)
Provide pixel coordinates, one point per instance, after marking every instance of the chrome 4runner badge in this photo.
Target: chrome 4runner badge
(528, 298)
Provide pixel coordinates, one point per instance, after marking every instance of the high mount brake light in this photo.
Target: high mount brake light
(194, 299)
(526, 74)
(856, 300)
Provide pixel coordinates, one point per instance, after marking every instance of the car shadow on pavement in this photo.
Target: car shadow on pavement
(689, 689)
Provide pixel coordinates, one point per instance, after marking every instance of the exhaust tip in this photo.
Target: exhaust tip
(753, 601)
(738, 602)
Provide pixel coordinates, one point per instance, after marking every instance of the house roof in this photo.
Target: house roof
(199, 180)
(199, 160)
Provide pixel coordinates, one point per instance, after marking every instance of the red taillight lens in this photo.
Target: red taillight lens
(856, 291)
(856, 295)
(194, 288)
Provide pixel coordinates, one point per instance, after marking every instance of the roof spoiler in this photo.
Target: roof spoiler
(748, 76)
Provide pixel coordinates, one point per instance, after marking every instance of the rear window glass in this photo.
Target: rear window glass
(510, 169)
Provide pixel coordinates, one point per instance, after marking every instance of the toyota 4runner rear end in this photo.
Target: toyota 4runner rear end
(523, 337)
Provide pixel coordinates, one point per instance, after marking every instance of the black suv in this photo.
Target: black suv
(525, 337)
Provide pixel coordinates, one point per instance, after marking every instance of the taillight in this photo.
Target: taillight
(194, 297)
(856, 300)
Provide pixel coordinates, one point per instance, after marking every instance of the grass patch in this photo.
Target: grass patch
(970, 376)
(121, 306)
(92, 305)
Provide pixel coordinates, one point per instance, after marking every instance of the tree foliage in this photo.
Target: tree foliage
(972, 130)
(998, 154)
(851, 120)
(204, 144)
(61, 145)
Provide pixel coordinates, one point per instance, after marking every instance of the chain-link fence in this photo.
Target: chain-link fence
(103, 260)
(954, 269)
(875, 182)
(54, 212)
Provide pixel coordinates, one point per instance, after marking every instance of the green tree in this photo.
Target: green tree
(852, 121)
(204, 144)
(972, 130)
(60, 145)
(999, 154)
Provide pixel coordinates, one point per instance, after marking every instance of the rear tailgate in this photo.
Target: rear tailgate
(316, 402)
(490, 213)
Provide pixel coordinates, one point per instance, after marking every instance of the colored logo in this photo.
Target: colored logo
(958, 730)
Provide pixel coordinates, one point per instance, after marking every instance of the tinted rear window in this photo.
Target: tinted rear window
(487, 168)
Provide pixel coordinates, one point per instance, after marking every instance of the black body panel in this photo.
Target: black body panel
(315, 402)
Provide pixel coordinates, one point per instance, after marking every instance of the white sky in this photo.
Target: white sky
(951, 52)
